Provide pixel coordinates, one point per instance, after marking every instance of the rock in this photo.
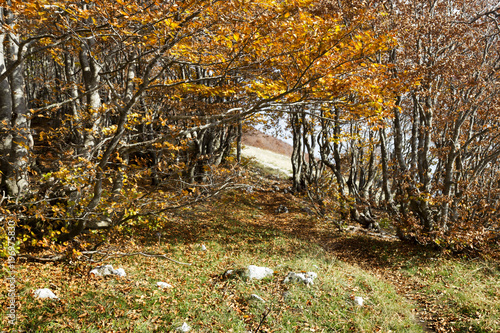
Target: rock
(306, 278)
(251, 272)
(108, 270)
(45, 293)
(203, 247)
(120, 272)
(163, 285)
(227, 274)
(257, 298)
(258, 273)
(184, 328)
(358, 300)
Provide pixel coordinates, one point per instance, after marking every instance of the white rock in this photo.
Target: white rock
(203, 247)
(306, 278)
(228, 273)
(45, 293)
(163, 285)
(258, 273)
(108, 270)
(184, 328)
(120, 272)
(257, 297)
(102, 270)
(358, 300)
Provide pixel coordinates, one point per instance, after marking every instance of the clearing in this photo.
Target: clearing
(405, 288)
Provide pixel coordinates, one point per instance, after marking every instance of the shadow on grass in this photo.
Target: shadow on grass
(253, 218)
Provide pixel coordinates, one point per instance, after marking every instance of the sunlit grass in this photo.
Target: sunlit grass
(466, 291)
(230, 230)
(206, 301)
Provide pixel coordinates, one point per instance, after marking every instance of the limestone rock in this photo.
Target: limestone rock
(258, 273)
(282, 209)
(306, 278)
(358, 300)
(163, 285)
(257, 298)
(249, 273)
(184, 328)
(45, 293)
(108, 270)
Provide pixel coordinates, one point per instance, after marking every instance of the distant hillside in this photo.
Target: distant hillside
(255, 138)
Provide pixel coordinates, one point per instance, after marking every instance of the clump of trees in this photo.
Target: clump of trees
(432, 160)
(114, 110)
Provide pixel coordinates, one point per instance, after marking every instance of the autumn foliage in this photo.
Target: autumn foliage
(114, 111)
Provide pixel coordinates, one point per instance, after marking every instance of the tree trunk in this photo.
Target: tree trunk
(385, 169)
(16, 139)
(91, 79)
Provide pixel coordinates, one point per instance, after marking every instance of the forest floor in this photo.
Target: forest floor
(406, 288)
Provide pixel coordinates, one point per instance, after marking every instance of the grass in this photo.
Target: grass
(243, 229)
(201, 297)
(466, 292)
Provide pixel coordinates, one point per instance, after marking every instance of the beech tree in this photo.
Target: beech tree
(112, 111)
(429, 159)
(452, 59)
(15, 136)
(130, 99)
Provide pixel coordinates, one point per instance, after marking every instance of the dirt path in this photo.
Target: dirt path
(380, 257)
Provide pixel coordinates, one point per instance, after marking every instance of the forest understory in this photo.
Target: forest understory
(413, 287)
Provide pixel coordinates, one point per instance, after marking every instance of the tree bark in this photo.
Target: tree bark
(16, 139)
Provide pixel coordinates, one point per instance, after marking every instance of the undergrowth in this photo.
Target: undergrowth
(242, 229)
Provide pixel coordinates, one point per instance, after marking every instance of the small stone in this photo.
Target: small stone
(306, 278)
(120, 272)
(45, 293)
(163, 285)
(257, 298)
(358, 300)
(203, 247)
(228, 273)
(184, 328)
(258, 273)
(282, 209)
(108, 270)
(251, 272)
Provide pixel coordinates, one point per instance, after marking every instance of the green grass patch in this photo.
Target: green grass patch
(202, 297)
(239, 231)
(467, 292)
